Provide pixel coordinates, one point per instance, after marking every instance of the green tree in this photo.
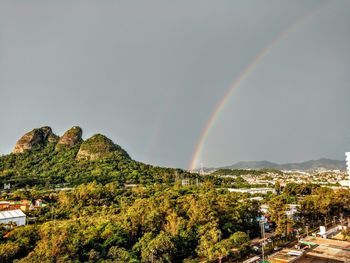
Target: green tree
(159, 249)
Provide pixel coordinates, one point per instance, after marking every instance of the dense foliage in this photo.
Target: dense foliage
(108, 223)
(105, 223)
(316, 206)
(47, 167)
(100, 146)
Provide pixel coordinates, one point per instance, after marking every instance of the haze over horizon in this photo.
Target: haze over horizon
(149, 76)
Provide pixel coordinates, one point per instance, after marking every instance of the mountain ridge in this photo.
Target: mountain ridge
(325, 163)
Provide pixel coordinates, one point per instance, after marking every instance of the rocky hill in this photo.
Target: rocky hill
(70, 138)
(35, 139)
(42, 158)
(94, 148)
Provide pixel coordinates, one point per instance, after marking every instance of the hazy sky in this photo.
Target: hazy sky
(148, 74)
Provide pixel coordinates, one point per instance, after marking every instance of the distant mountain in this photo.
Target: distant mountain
(324, 163)
(252, 165)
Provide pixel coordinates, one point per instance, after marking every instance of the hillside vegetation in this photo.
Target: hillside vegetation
(96, 159)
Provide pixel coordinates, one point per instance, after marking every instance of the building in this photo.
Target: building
(291, 209)
(326, 250)
(185, 182)
(328, 233)
(346, 183)
(24, 205)
(253, 190)
(4, 205)
(15, 216)
(315, 250)
(286, 256)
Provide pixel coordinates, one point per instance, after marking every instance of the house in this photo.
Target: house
(292, 210)
(15, 216)
(326, 250)
(4, 205)
(24, 205)
(38, 203)
(329, 233)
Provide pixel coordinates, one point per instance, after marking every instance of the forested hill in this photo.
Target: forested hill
(42, 158)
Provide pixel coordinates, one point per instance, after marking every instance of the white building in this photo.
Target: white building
(15, 216)
(291, 209)
(346, 183)
(328, 233)
(252, 190)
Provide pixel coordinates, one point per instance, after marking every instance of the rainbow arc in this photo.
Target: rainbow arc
(242, 76)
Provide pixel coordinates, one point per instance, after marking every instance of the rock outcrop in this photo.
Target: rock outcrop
(70, 138)
(95, 148)
(36, 138)
(98, 147)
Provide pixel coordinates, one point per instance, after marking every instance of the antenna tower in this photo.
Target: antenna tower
(202, 169)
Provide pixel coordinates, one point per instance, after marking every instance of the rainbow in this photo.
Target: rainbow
(241, 77)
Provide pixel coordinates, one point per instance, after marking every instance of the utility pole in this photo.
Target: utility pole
(152, 251)
(298, 236)
(202, 169)
(341, 218)
(176, 176)
(262, 227)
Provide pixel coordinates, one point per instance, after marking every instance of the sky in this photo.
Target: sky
(150, 74)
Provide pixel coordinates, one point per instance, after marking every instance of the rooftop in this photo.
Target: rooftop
(11, 214)
(286, 256)
(328, 250)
